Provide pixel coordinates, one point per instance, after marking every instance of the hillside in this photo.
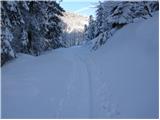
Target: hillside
(119, 80)
(74, 22)
(73, 28)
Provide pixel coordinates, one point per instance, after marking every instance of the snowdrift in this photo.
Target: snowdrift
(129, 62)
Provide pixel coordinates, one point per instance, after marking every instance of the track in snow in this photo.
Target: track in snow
(78, 92)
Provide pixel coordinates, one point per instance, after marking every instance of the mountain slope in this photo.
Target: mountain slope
(73, 28)
(120, 80)
(74, 22)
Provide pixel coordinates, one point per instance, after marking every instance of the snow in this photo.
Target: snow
(8, 36)
(73, 28)
(25, 6)
(119, 80)
(131, 65)
(12, 6)
(74, 22)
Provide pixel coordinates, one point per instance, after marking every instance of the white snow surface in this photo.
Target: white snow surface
(119, 80)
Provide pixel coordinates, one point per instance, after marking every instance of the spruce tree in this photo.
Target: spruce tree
(33, 25)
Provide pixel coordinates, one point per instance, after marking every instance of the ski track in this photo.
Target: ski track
(85, 86)
(99, 88)
(96, 87)
(89, 81)
(68, 90)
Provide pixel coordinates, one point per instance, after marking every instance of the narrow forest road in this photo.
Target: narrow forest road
(62, 84)
(119, 80)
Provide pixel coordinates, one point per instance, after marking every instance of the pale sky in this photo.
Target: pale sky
(83, 7)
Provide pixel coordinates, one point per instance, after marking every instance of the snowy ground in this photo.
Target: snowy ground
(119, 80)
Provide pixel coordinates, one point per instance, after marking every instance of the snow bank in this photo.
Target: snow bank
(129, 62)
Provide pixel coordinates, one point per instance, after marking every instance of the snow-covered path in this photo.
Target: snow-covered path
(119, 80)
(48, 91)
(78, 90)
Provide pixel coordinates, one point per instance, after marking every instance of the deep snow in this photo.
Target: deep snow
(119, 80)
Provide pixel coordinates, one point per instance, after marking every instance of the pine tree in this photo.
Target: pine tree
(53, 25)
(33, 25)
(99, 19)
(7, 51)
(91, 29)
(112, 15)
